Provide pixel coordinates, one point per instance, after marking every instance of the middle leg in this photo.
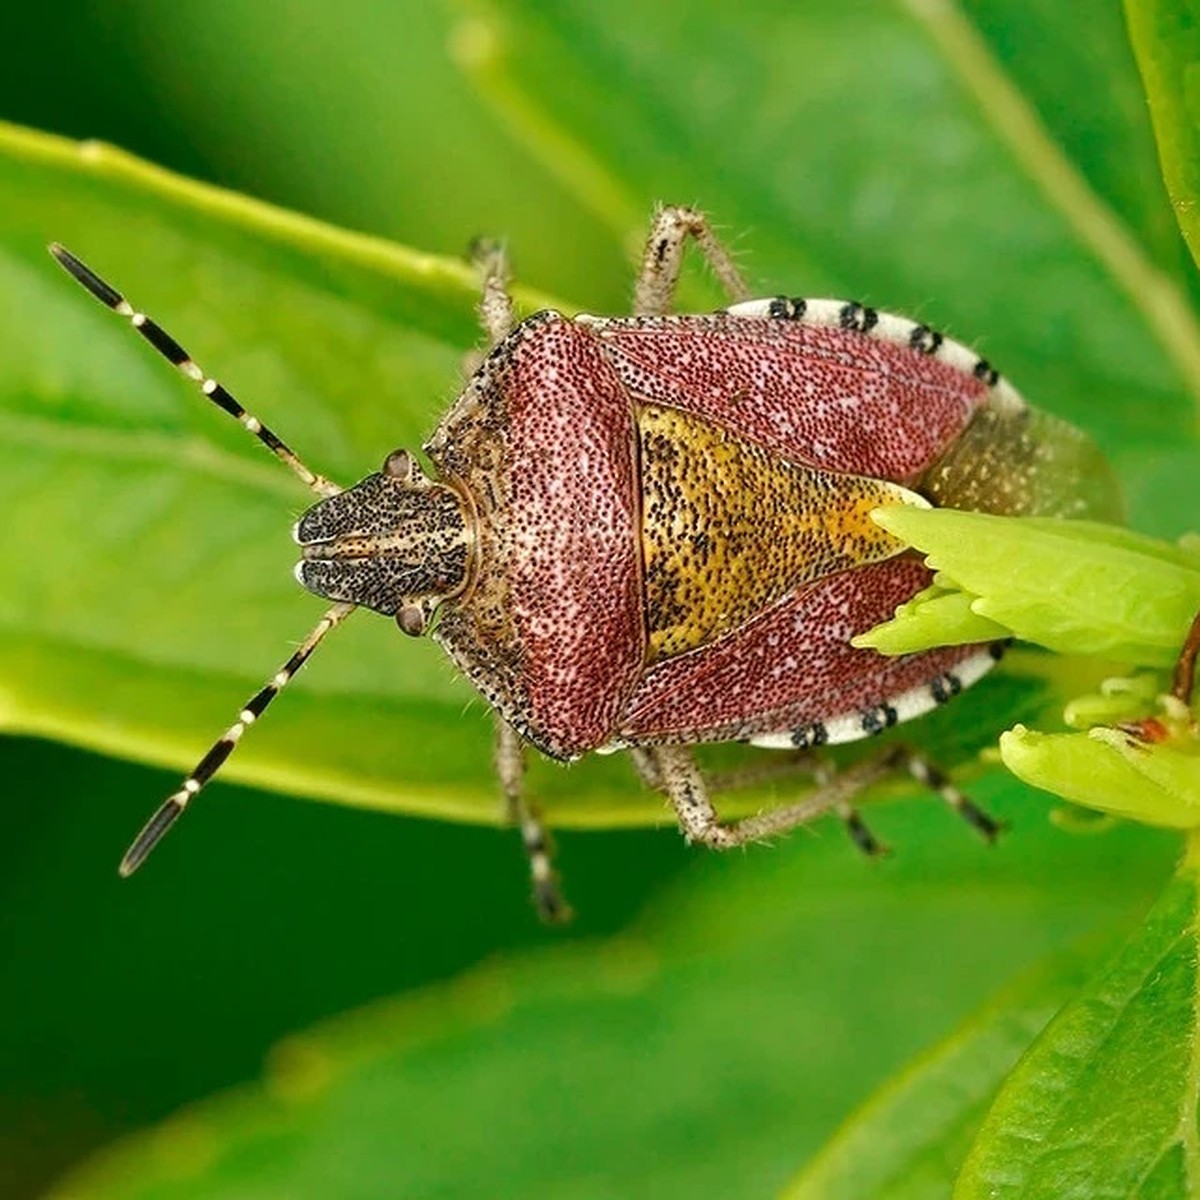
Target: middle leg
(899, 758)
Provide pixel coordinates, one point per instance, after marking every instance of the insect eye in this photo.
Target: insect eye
(411, 619)
(400, 465)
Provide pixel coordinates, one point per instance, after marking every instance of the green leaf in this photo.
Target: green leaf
(150, 562)
(934, 617)
(1079, 77)
(705, 1052)
(1113, 771)
(1105, 1102)
(171, 600)
(950, 200)
(148, 589)
(908, 1141)
(1121, 698)
(1079, 588)
(1166, 39)
(1076, 587)
(1040, 238)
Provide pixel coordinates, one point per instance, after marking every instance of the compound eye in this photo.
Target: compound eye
(411, 619)
(400, 465)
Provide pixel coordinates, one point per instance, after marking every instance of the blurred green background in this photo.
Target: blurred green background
(120, 1002)
(124, 1001)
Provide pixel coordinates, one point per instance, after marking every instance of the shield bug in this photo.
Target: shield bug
(643, 533)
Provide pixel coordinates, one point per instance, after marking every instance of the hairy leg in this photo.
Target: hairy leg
(673, 770)
(539, 847)
(663, 257)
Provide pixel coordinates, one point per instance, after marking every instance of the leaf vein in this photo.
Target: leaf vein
(1014, 119)
(135, 445)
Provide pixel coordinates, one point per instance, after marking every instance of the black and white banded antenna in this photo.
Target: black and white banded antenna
(172, 808)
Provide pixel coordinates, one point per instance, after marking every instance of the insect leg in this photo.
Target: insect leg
(489, 257)
(673, 769)
(1184, 679)
(539, 847)
(860, 833)
(646, 766)
(822, 772)
(663, 257)
(678, 776)
(766, 768)
(936, 780)
(781, 766)
(496, 316)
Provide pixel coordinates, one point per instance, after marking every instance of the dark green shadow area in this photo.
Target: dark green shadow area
(260, 915)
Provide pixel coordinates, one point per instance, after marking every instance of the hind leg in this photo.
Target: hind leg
(663, 258)
(673, 770)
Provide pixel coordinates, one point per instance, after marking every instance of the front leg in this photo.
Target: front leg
(490, 259)
(663, 257)
(539, 848)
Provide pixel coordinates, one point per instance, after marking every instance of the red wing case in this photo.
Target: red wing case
(826, 397)
(793, 667)
(543, 442)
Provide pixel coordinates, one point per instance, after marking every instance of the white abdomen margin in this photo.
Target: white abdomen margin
(864, 723)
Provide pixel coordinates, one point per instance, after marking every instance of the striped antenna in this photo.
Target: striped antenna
(175, 354)
(172, 808)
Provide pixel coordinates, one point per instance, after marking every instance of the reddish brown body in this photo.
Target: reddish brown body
(657, 530)
(552, 626)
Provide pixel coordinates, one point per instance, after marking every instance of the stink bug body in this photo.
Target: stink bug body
(648, 532)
